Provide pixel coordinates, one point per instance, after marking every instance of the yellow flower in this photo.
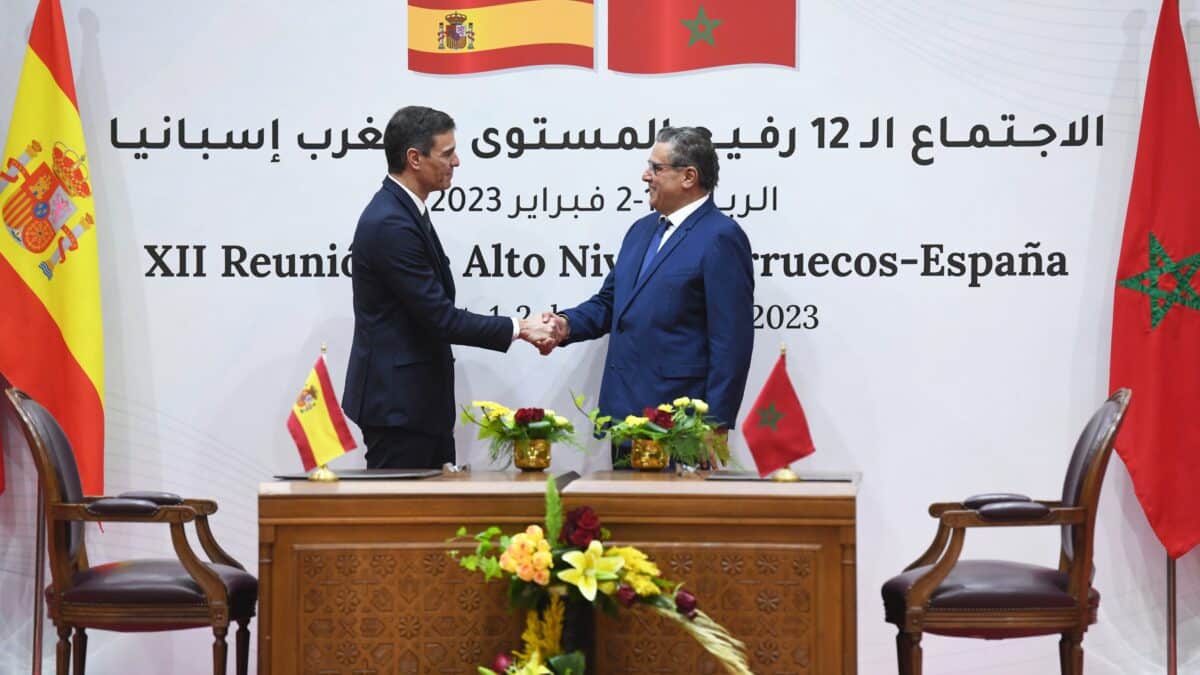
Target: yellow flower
(560, 421)
(667, 407)
(637, 571)
(635, 421)
(700, 406)
(635, 561)
(588, 567)
(681, 402)
(534, 532)
(542, 560)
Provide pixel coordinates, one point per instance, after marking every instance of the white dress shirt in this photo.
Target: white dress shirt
(678, 216)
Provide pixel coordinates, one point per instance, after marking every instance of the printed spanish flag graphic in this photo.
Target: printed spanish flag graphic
(52, 344)
(669, 36)
(475, 36)
(316, 423)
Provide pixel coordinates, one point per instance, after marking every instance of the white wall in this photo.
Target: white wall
(933, 389)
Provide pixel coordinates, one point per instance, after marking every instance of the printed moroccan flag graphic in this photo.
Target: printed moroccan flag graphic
(1156, 306)
(776, 429)
(669, 36)
(475, 36)
(316, 423)
(53, 344)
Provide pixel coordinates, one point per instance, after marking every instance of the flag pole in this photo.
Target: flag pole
(1170, 615)
(39, 581)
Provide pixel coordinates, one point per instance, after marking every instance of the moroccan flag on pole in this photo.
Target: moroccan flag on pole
(669, 36)
(53, 343)
(1156, 308)
(776, 429)
(454, 37)
(316, 423)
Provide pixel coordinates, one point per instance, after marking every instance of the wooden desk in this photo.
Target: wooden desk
(354, 577)
(772, 562)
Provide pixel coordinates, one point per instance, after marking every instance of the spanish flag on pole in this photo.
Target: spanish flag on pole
(316, 423)
(53, 343)
(454, 37)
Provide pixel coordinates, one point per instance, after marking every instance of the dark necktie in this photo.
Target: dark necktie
(442, 263)
(655, 242)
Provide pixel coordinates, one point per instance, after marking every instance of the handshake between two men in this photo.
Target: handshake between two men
(545, 332)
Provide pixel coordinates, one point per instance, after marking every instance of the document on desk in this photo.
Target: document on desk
(371, 474)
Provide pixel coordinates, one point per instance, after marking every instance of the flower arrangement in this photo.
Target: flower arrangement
(682, 427)
(505, 428)
(567, 562)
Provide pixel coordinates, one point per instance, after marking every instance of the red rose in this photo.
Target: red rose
(528, 415)
(626, 595)
(663, 419)
(582, 526)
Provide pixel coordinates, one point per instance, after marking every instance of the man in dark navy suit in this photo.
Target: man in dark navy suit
(678, 305)
(400, 380)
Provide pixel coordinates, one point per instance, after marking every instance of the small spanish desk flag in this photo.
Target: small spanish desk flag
(454, 37)
(316, 423)
(53, 338)
(669, 36)
(776, 429)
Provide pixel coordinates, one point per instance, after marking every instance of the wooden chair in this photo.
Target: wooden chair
(995, 599)
(132, 595)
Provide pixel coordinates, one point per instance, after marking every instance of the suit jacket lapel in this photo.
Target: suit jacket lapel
(433, 246)
(665, 252)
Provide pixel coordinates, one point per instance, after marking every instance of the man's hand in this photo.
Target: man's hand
(561, 329)
(541, 332)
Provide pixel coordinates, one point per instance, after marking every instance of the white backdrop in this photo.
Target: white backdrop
(932, 387)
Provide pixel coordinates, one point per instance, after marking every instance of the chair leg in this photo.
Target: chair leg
(220, 649)
(1070, 653)
(63, 651)
(79, 648)
(243, 646)
(908, 653)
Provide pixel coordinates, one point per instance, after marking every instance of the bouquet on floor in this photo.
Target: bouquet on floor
(565, 561)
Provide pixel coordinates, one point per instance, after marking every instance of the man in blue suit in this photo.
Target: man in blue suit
(677, 307)
(400, 379)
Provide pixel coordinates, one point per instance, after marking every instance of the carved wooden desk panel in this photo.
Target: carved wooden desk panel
(774, 563)
(353, 576)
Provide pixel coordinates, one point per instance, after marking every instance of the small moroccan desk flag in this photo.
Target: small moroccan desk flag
(776, 429)
(316, 423)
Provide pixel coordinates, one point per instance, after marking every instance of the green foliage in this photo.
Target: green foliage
(568, 664)
(554, 512)
(488, 544)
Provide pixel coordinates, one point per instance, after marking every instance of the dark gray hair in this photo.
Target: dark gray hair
(692, 146)
(412, 127)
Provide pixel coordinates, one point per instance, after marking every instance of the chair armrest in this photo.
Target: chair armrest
(123, 510)
(936, 509)
(203, 507)
(121, 506)
(1010, 511)
(160, 498)
(1051, 516)
(975, 501)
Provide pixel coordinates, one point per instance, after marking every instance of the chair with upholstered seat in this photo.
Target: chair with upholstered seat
(132, 595)
(995, 599)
